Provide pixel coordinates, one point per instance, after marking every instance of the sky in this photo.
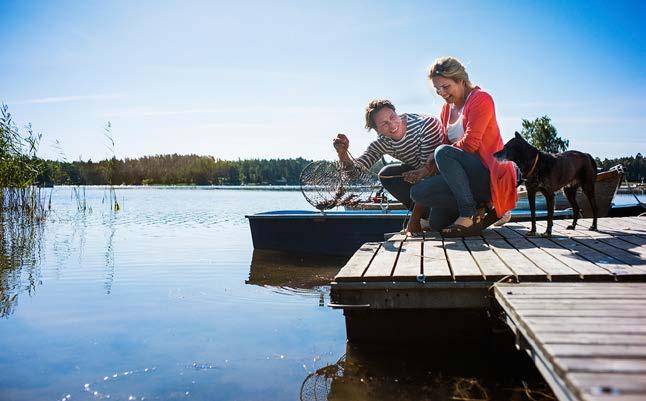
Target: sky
(239, 79)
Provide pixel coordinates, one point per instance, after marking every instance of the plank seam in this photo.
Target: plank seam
(399, 251)
(371, 259)
(448, 262)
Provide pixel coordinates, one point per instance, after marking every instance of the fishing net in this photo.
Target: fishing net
(327, 184)
(317, 385)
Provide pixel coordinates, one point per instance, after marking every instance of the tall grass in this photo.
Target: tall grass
(22, 209)
(112, 194)
(19, 169)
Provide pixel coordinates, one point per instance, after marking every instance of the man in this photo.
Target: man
(409, 138)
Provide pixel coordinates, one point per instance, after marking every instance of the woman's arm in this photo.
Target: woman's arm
(477, 117)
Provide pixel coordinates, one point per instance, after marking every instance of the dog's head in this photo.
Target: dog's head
(517, 149)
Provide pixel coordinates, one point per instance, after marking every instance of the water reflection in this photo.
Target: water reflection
(110, 224)
(284, 270)
(20, 252)
(416, 372)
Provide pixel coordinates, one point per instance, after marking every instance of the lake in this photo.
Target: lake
(167, 300)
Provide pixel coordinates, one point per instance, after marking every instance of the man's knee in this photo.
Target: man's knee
(390, 170)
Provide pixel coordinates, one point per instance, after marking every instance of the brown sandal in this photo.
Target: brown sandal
(475, 229)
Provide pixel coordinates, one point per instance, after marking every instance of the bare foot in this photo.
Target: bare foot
(414, 228)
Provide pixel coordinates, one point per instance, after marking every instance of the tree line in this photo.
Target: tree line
(174, 170)
(205, 170)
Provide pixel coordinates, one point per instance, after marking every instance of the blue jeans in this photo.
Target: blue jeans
(396, 185)
(463, 182)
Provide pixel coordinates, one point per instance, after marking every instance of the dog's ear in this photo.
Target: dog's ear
(517, 135)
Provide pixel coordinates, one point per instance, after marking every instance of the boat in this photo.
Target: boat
(606, 187)
(326, 233)
(341, 233)
(336, 233)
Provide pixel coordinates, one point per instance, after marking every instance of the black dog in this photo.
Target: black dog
(547, 172)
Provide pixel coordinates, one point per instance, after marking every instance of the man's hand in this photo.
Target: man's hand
(341, 143)
(426, 170)
(414, 176)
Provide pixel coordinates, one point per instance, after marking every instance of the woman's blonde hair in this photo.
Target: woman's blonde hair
(449, 67)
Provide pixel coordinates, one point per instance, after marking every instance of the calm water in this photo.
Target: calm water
(167, 300)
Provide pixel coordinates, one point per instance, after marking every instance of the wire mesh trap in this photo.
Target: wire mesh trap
(326, 184)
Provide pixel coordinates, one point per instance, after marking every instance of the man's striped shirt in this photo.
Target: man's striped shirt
(423, 135)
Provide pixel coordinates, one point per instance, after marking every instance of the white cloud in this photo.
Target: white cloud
(63, 99)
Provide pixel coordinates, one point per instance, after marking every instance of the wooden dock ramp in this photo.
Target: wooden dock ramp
(588, 340)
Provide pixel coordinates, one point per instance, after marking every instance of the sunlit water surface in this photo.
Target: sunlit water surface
(166, 300)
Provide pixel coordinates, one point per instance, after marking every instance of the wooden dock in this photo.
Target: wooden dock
(576, 301)
(614, 253)
(588, 340)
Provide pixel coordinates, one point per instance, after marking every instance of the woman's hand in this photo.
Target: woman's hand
(341, 143)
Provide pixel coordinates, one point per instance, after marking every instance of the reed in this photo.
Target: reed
(112, 194)
(19, 169)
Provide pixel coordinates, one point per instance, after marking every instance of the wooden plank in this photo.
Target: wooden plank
(633, 221)
(606, 262)
(398, 237)
(434, 263)
(512, 230)
(462, 263)
(358, 263)
(623, 244)
(432, 235)
(491, 233)
(555, 269)
(618, 226)
(591, 328)
(586, 296)
(613, 397)
(609, 383)
(634, 239)
(490, 264)
(601, 304)
(409, 263)
(608, 290)
(519, 264)
(574, 286)
(631, 313)
(602, 365)
(586, 350)
(585, 268)
(620, 254)
(382, 264)
(603, 230)
(592, 338)
(606, 317)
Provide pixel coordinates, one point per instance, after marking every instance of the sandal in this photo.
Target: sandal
(490, 217)
(475, 229)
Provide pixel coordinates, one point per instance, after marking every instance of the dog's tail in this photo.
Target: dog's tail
(594, 163)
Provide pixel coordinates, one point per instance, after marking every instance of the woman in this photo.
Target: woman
(410, 138)
(471, 181)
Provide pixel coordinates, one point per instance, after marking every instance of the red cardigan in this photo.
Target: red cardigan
(482, 135)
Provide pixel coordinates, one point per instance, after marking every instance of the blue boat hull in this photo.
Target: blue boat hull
(342, 233)
(329, 233)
